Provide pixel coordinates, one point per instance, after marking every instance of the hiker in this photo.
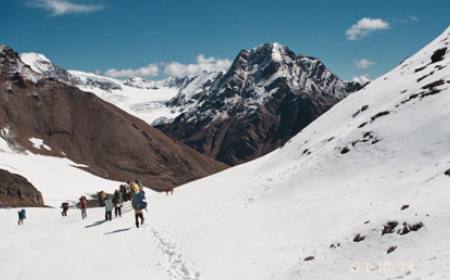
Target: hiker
(108, 208)
(138, 183)
(134, 188)
(83, 206)
(139, 203)
(168, 191)
(64, 207)
(22, 216)
(117, 200)
(101, 198)
(128, 191)
(123, 191)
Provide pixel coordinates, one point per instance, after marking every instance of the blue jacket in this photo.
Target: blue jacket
(139, 200)
(22, 214)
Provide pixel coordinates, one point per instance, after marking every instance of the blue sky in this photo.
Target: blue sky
(146, 36)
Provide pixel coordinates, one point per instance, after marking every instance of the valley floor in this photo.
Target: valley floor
(238, 231)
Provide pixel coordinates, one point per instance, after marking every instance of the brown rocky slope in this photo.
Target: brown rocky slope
(77, 124)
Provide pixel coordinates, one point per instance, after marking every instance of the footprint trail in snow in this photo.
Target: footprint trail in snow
(177, 266)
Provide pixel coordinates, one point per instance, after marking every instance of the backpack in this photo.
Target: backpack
(143, 204)
(22, 214)
(139, 201)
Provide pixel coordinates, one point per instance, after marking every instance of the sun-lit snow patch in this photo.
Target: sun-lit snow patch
(146, 104)
(4, 134)
(38, 62)
(39, 144)
(80, 165)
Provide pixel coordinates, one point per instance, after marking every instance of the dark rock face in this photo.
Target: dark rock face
(359, 238)
(389, 227)
(404, 207)
(407, 228)
(267, 96)
(438, 55)
(89, 131)
(16, 191)
(391, 249)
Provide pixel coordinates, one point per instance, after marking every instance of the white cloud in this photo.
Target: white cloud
(410, 19)
(204, 64)
(173, 69)
(363, 79)
(365, 26)
(363, 63)
(150, 70)
(62, 7)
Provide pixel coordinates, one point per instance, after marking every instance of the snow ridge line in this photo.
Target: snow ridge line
(177, 266)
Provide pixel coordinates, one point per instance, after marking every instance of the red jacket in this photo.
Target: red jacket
(83, 203)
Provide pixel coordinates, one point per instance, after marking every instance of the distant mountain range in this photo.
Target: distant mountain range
(268, 95)
(95, 134)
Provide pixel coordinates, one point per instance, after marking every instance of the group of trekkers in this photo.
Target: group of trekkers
(132, 191)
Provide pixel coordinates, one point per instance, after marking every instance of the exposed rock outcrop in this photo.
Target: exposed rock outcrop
(16, 191)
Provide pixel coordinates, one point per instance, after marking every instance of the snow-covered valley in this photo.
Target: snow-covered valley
(360, 193)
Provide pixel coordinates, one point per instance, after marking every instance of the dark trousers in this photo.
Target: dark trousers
(64, 212)
(108, 216)
(138, 216)
(83, 213)
(118, 211)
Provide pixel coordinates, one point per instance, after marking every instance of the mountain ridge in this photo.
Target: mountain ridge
(267, 91)
(80, 126)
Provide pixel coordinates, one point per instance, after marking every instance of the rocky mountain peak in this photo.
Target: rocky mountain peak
(13, 67)
(39, 63)
(268, 94)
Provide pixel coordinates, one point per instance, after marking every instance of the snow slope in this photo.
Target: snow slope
(336, 179)
(146, 104)
(58, 179)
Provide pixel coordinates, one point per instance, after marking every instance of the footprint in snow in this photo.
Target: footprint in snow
(177, 266)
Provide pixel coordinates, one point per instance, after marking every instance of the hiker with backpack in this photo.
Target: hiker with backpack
(117, 200)
(139, 203)
(123, 191)
(83, 206)
(108, 208)
(64, 207)
(22, 216)
(101, 198)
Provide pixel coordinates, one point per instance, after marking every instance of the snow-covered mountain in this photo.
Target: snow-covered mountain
(268, 95)
(142, 98)
(269, 91)
(360, 193)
